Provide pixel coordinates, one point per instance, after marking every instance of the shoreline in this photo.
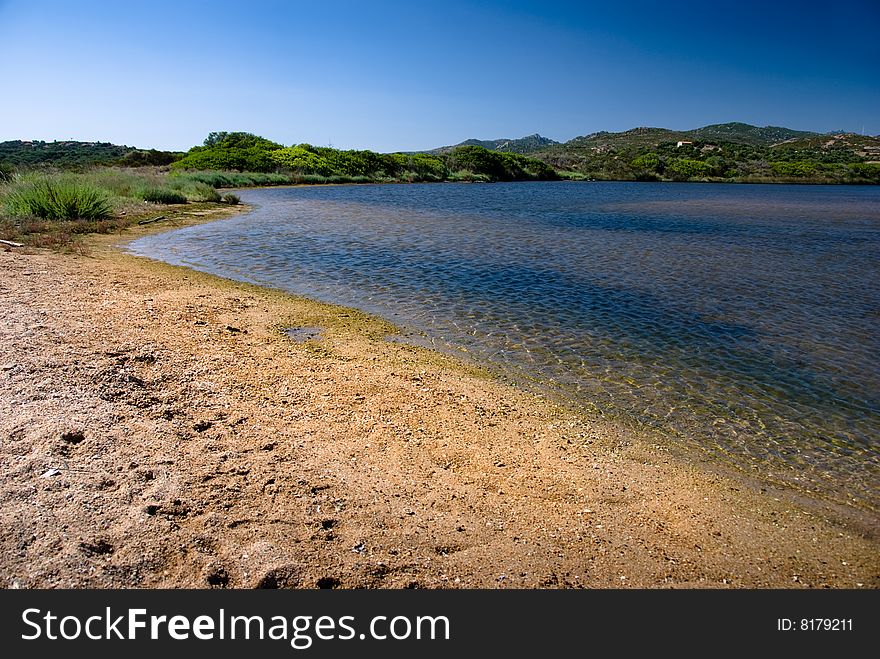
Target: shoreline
(198, 446)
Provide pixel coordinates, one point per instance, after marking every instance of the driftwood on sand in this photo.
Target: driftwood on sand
(155, 219)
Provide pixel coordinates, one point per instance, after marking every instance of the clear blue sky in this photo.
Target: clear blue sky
(411, 75)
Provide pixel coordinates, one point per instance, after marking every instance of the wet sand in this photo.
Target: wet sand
(160, 428)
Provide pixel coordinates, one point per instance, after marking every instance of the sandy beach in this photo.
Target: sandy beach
(159, 428)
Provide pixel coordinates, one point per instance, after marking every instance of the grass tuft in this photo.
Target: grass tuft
(162, 196)
(57, 198)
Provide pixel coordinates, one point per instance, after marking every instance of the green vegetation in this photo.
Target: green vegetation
(148, 158)
(50, 192)
(44, 206)
(61, 155)
(523, 145)
(726, 152)
(218, 179)
(865, 172)
(70, 154)
(162, 196)
(51, 209)
(305, 163)
(57, 198)
(231, 151)
(498, 166)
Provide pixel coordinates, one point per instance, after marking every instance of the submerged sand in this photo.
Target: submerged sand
(160, 428)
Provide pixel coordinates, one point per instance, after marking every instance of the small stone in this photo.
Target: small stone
(73, 436)
(359, 548)
(8, 367)
(49, 473)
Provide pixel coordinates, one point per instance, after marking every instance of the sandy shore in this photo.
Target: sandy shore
(159, 429)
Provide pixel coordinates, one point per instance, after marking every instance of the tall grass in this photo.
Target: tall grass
(57, 198)
(121, 182)
(194, 190)
(219, 179)
(162, 196)
(52, 209)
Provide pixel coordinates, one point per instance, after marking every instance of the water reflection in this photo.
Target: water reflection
(741, 319)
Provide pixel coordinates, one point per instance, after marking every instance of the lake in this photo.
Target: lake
(740, 321)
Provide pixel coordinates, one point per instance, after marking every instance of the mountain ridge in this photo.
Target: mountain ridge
(521, 145)
(648, 136)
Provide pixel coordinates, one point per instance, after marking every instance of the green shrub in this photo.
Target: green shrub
(498, 166)
(149, 158)
(793, 168)
(685, 168)
(162, 196)
(238, 151)
(231, 199)
(420, 166)
(57, 198)
(649, 162)
(301, 161)
(869, 172)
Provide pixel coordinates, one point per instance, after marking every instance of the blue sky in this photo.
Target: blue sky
(411, 75)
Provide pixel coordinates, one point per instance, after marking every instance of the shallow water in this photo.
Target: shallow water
(740, 320)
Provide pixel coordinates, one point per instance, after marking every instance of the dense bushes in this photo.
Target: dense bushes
(149, 158)
(685, 168)
(793, 168)
(65, 154)
(301, 160)
(311, 164)
(649, 162)
(231, 151)
(305, 163)
(497, 166)
(420, 167)
(865, 172)
(807, 162)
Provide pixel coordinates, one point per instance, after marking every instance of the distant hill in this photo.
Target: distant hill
(732, 151)
(523, 145)
(22, 154)
(735, 133)
(719, 152)
(634, 138)
(865, 146)
(740, 133)
(19, 153)
(647, 137)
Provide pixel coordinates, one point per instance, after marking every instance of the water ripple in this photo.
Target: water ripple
(741, 320)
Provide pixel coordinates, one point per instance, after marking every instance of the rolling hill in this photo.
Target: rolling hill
(25, 154)
(523, 145)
